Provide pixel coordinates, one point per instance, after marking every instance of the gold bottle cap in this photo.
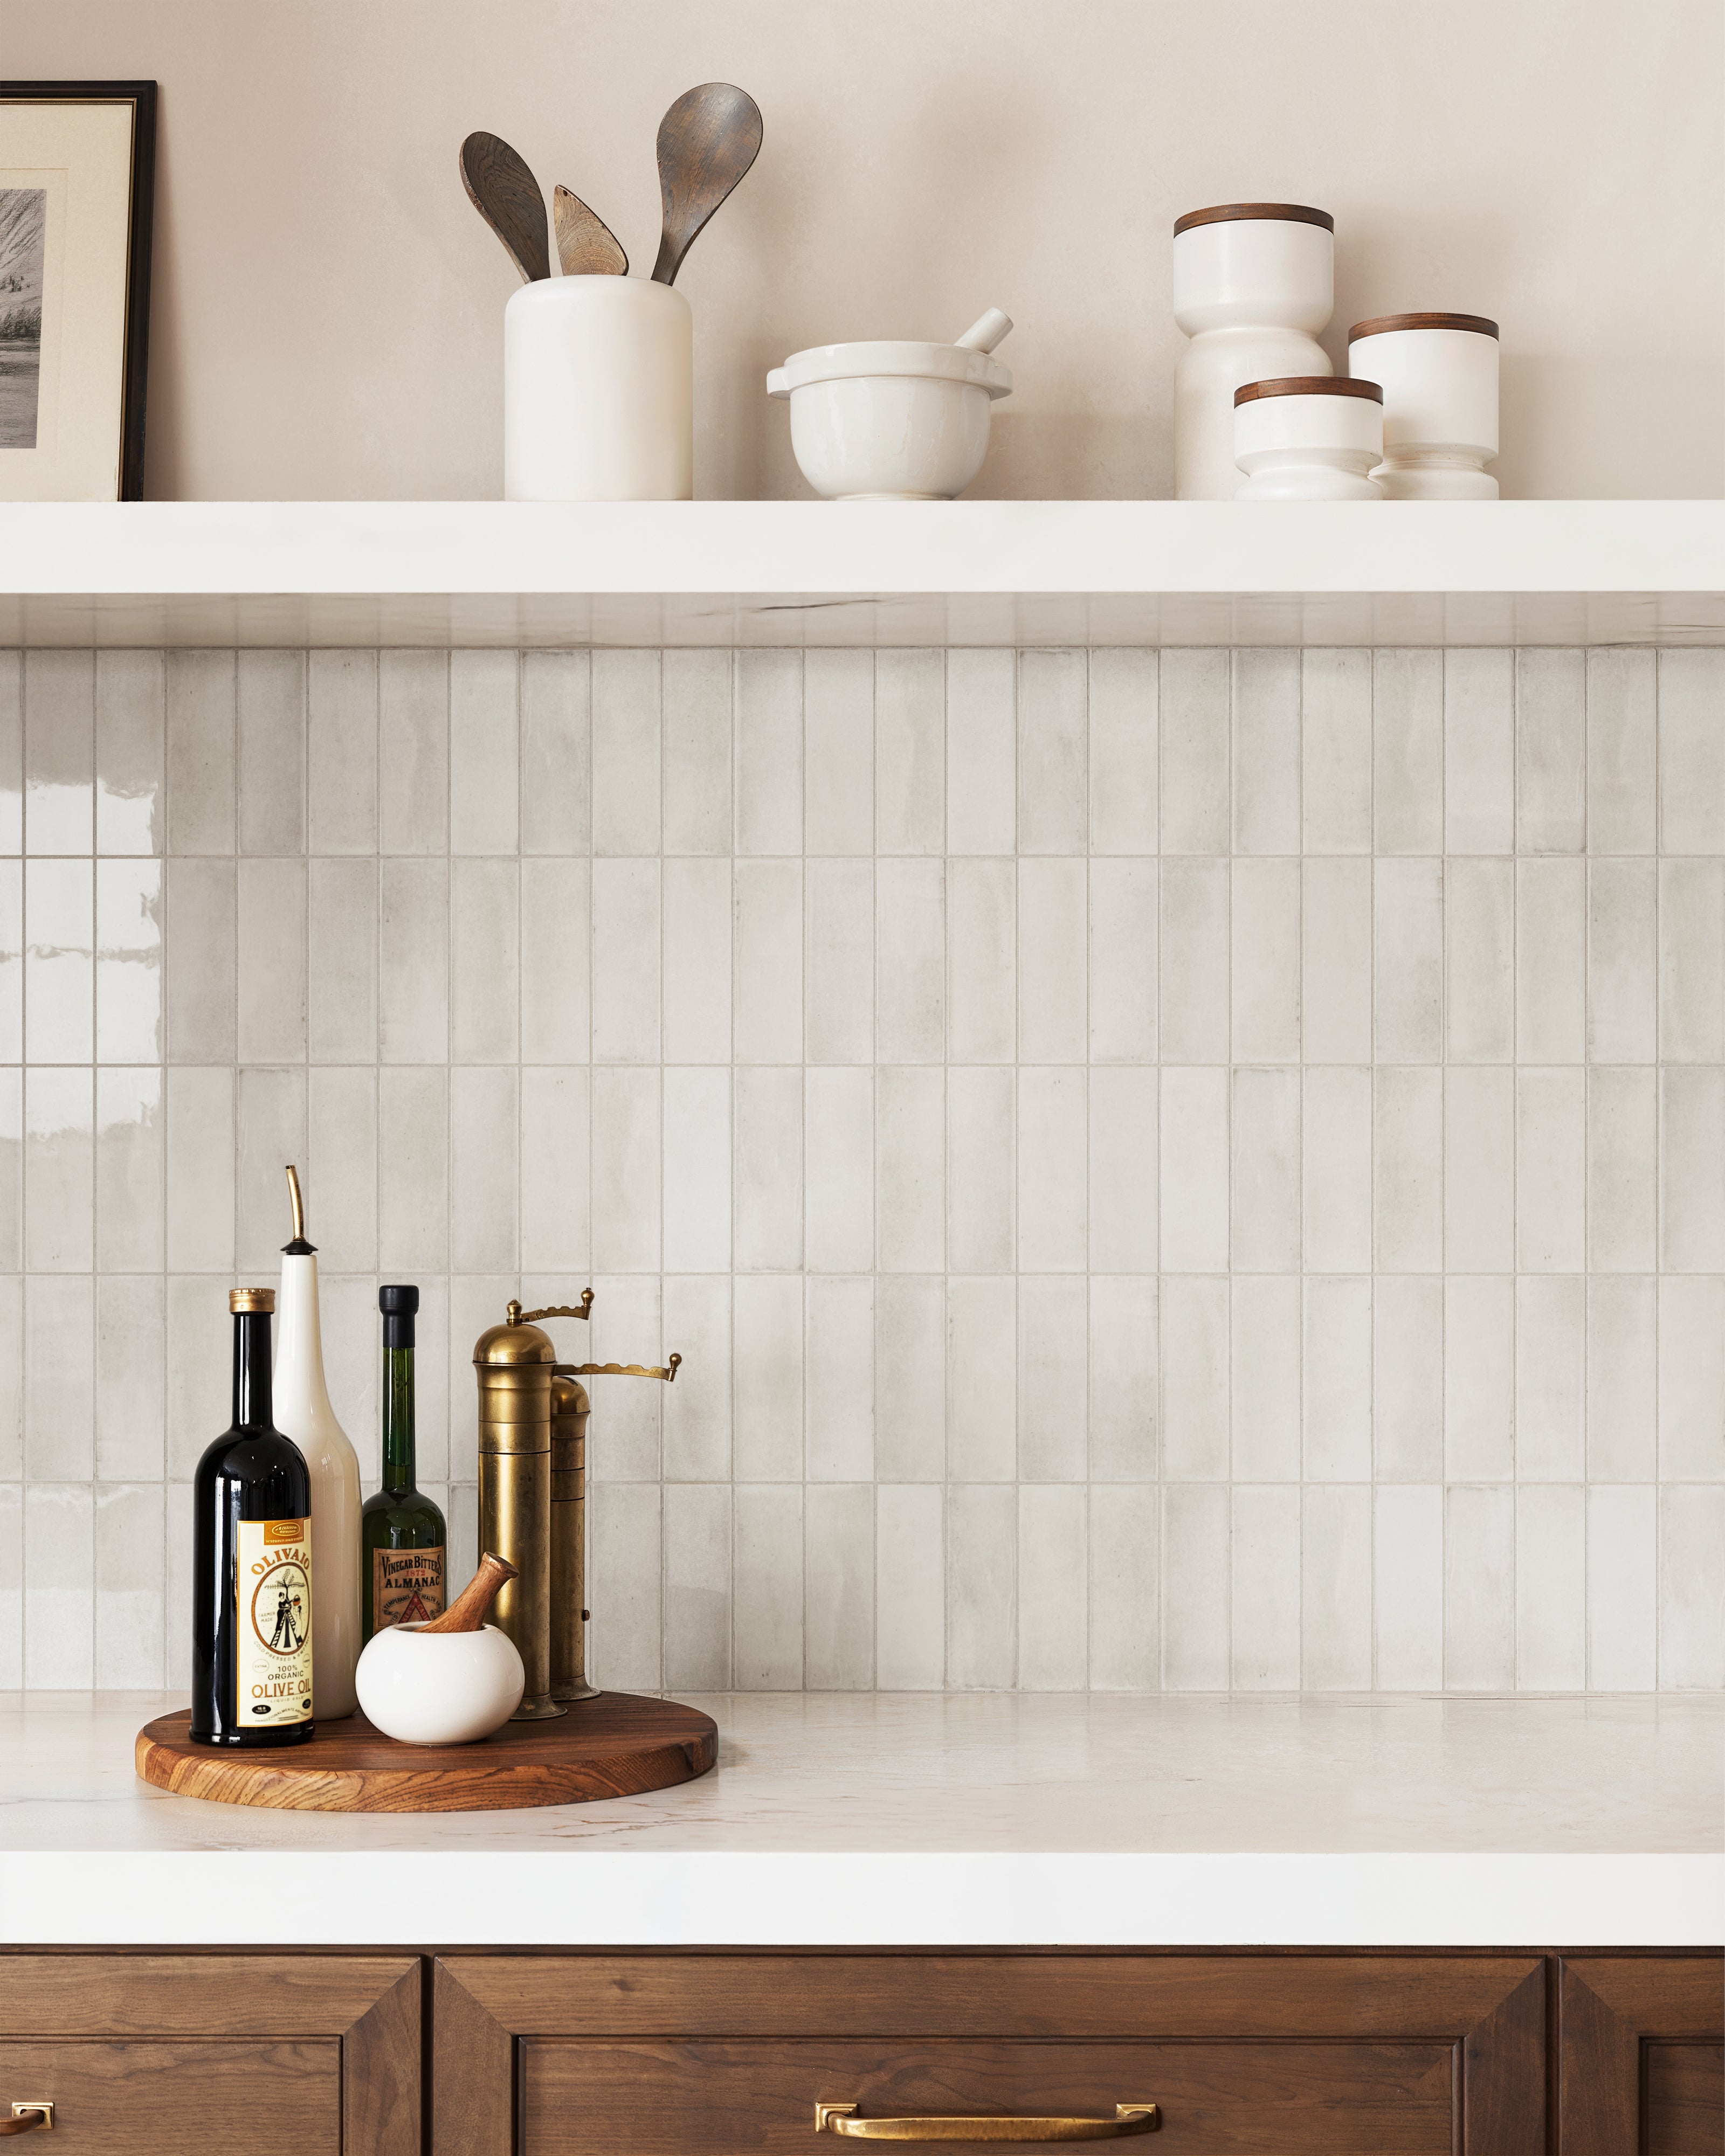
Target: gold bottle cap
(250, 1298)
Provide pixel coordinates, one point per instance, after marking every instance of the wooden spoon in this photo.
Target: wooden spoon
(587, 247)
(467, 1612)
(506, 195)
(707, 142)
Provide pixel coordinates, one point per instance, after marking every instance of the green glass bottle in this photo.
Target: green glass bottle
(402, 1568)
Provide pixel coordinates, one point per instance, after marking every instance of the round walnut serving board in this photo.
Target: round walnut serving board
(617, 1745)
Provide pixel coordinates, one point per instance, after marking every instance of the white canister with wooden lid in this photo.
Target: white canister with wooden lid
(1312, 438)
(1254, 284)
(1439, 374)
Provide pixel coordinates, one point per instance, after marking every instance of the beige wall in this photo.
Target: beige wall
(327, 305)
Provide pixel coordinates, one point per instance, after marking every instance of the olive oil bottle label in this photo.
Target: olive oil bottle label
(273, 1666)
(407, 1587)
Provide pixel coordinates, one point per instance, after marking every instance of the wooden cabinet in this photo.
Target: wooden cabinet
(214, 2055)
(1641, 2055)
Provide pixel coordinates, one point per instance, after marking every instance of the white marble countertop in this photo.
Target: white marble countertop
(992, 1820)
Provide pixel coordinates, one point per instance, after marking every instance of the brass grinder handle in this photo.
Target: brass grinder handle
(1128, 2118)
(517, 1315)
(617, 1369)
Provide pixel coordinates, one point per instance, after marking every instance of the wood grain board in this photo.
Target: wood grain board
(617, 1745)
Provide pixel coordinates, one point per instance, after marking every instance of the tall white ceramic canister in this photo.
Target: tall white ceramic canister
(1311, 438)
(598, 392)
(1440, 378)
(1254, 283)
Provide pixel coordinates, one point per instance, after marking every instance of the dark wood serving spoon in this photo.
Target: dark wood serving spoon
(707, 142)
(506, 195)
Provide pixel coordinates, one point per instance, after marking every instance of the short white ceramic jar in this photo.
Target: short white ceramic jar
(891, 421)
(1439, 374)
(598, 392)
(1254, 283)
(1312, 438)
(439, 1687)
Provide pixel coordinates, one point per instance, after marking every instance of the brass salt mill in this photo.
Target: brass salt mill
(532, 1496)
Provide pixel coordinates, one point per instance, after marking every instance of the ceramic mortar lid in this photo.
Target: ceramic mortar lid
(937, 362)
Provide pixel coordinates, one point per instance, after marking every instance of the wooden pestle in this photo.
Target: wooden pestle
(467, 1612)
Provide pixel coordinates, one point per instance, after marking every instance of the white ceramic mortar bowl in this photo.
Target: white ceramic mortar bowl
(440, 1687)
(889, 421)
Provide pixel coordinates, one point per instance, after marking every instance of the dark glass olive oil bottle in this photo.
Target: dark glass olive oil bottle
(402, 1538)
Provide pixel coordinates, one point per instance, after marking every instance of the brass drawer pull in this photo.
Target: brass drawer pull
(1128, 2118)
(26, 2117)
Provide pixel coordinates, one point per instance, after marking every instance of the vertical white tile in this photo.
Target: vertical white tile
(200, 1171)
(1194, 710)
(1479, 1378)
(1338, 1370)
(1195, 1377)
(59, 1598)
(910, 751)
(910, 1378)
(840, 753)
(128, 947)
(341, 963)
(1054, 1578)
(1123, 1216)
(59, 956)
(1408, 750)
(695, 1410)
(1479, 1169)
(200, 708)
(909, 1144)
(627, 1652)
(391, 1156)
(982, 778)
(982, 1142)
(556, 751)
(12, 796)
(484, 1234)
(839, 995)
(1551, 961)
(910, 1573)
(1479, 1589)
(1408, 1588)
(768, 961)
(1691, 750)
(1551, 1588)
(1691, 1586)
(129, 1138)
(342, 751)
(627, 1325)
(839, 1142)
(1264, 1378)
(270, 688)
(1336, 1588)
(982, 1587)
(1053, 1337)
(1479, 752)
(130, 1377)
(1052, 952)
(1125, 1589)
(1122, 756)
(981, 1390)
(1691, 1205)
(697, 1586)
(1622, 734)
(1336, 1169)
(910, 961)
(768, 1558)
(625, 961)
(626, 1164)
(485, 752)
(1053, 781)
(766, 1409)
(1335, 913)
(484, 960)
(201, 944)
(1194, 1170)
(1196, 1587)
(1622, 1169)
(1336, 749)
(130, 752)
(1193, 960)
(1407, 1377)
(981, 964)
(555, 969)
(1479, 909)
(769, 752)
(269, 1130)
(698, 1170)
(1691, 960)
(1266, 750)
(1408, 1179)
(1265, 1178)
(1551, 1377)
(12, 959)
(60, 1400)
(768, 1200)
(130, 1585)
(1407, 960)
(1550, 1170)
(1264, 952)
(695, 902)
(271, 1016)
(1622, 1592)
(1053, 1168)
(1122, 959)
(840, 1379)
(1622, 1379)
(1691, 1380)
(1551, 751)
(1622, 966)
(414, 956)
(696, 689)
(626, 772)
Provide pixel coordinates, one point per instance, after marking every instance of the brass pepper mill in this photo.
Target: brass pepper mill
(569, 1406)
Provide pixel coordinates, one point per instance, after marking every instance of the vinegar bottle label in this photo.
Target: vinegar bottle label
(273, 1663)
(407, 1587)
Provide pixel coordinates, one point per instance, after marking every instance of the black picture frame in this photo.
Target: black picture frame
(141, 96)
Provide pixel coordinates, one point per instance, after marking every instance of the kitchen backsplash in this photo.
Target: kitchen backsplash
(1195, 1169)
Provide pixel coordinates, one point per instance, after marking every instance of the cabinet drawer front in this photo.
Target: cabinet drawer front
(249, 2096)
(1685, 2099)
(738, 2096)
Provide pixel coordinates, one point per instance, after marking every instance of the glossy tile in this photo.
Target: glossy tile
(1551, 751)
(838, 752)
(839, 1374)
(910, 1161)
(484, 961)
(768, 961)
(59, 960)
(910, 961)
(1692, 752)
(201, 1169)
(696, 1146)
(483, 1230)
(910, 1626)
(1691, 960)
(982, 1384)
(342, 962)
(767, 1168)
(269, 709)
(981, 1183)
(981, 961)
(130, 752)
(768, 1571)
(269, 961)
(1053, 730)
(1125, 1589)
(626, 719)
(981, 1586)
(838, 954)
(1551, 961)
(60, 1170)
(1195, 1377)
(1264, 1379)
(413, 964)
(1335, 1589)
(1194, 961)
(128, 1169)
(766, 1409)
(1336, 752)
(556, 751)
(1479, 938)
(1408, 752)
(1264, 976)
(556, 941)
(201, 697)
(1196, 1576)
(982, 779)
(1264, 1171)
(838, 1588)
(59, 751)
(769, 752)
(1053, 1337)
(1479, 752)
(1053, 1576)
(1479, 1589)
(413, 751)
(130, 1378)
(1622, 741)
(342, 751)
(1122, 960)
(58, 1391)
(695, 691)
(408, 1160)
(485, 752)
(695, 1410)
(1193, 725)
(840, 1168)
(627, 1157)
(910, 751)
(697, 1586)
(1123, 751)
(1266, 750)
(1335, 977)
(910, 1378)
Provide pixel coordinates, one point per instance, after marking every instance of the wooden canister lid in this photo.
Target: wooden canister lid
(1382, 325)
(1244, 213)
(1310, 385)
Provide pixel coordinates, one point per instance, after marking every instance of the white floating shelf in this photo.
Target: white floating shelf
(784, 572)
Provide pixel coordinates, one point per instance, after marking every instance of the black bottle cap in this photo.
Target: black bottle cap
(399, 1305)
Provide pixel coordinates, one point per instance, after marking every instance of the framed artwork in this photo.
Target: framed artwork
(77, 173)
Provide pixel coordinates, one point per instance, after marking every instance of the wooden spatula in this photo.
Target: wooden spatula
(587, 247)
(707, 142)
(506, 195)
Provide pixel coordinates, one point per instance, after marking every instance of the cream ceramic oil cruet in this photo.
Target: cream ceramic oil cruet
(1254, 284)
(303, 1412)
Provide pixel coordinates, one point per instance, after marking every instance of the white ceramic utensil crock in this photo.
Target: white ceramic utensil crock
(1314, 437)
(894, 421)
(1440, 378)
(439, 1687)
(598, 392)
(1254, 283)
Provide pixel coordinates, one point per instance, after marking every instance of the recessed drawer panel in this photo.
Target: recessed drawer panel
(250, 2098)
